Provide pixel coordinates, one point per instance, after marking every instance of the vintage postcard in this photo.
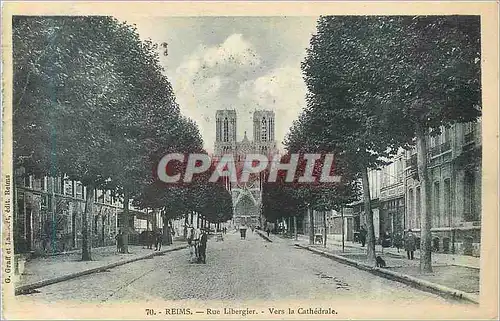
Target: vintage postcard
(250, 160)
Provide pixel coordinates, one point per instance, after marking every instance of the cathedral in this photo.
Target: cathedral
(246, 196)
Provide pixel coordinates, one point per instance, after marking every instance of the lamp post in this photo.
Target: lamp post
(343, 232)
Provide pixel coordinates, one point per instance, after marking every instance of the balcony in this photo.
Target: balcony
(439, 149)
(469, 138)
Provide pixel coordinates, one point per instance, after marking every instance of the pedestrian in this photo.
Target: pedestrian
(190, 238)
(268, 230)
(151, 238)
(398, 241)
(159, 240)
(196, 242)
(410, 244)
(202, 247)
(119, 242)
(362, 236)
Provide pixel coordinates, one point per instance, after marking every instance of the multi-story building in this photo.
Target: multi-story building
(454, 168)
(391, 199)
(48, 215)
(358, 207)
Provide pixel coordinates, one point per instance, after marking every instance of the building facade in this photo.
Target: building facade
(48, 215)
(454, 168)
(246, 196)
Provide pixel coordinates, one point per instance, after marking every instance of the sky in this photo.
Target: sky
(241, 63)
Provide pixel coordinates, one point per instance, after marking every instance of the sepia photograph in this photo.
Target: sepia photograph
(240, 163)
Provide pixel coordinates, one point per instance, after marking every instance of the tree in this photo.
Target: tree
(65, 79)
(381, 81)
(344, 113)
(92, 103)
(440, 57)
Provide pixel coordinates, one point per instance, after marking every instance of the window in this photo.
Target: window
(225, 131)
(233, 129)
(78, 190)
(437, 203)
(447, 202)
(219, 129)
(27, 181)
(469, 132)
(68, 187)
(470, 197)
(99, 196)
(263, 132)
(271, 129)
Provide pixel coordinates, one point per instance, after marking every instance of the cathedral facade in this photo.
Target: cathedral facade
(246, 196)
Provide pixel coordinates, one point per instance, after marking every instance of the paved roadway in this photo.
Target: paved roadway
(235, 270)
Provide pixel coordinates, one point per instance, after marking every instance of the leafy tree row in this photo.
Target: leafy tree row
(377, 84)
(91, 101)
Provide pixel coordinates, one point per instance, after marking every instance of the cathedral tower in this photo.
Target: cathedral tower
(263, 131)
(225, 131)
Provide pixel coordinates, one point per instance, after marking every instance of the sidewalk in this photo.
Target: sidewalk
(457, 272)
(42, 271)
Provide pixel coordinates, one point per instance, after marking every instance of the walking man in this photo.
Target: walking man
(190, 240)
(410, 244)
(119, 242)
(159, 240)
(196, 241)
(202, 247)
(362, 236)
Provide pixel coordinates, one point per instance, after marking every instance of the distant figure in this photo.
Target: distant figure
(268, 230)
(151, 239)
(196, 241)
(190, 240)
(362, 236)
(159, 240)
(243, 233)
(119, 242)
(202, 247)
(398, 241)
(410, 244)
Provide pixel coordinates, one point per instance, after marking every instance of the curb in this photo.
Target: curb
(418, 258)
(264, 236)
(400, 277)
(25, 289)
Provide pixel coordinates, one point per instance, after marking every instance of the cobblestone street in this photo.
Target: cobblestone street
(236, 269)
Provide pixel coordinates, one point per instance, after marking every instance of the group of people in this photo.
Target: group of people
(409, 241)
(152, 238)
(197, 239)
(155, 238)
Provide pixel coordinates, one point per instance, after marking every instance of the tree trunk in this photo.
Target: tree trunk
(370, 242)
(54, 215)
(125, 219)
(324, 229)
(311, 225)
(88, 211)
(425, 201)
(154, 225)
(295, 227)
(343, 232)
